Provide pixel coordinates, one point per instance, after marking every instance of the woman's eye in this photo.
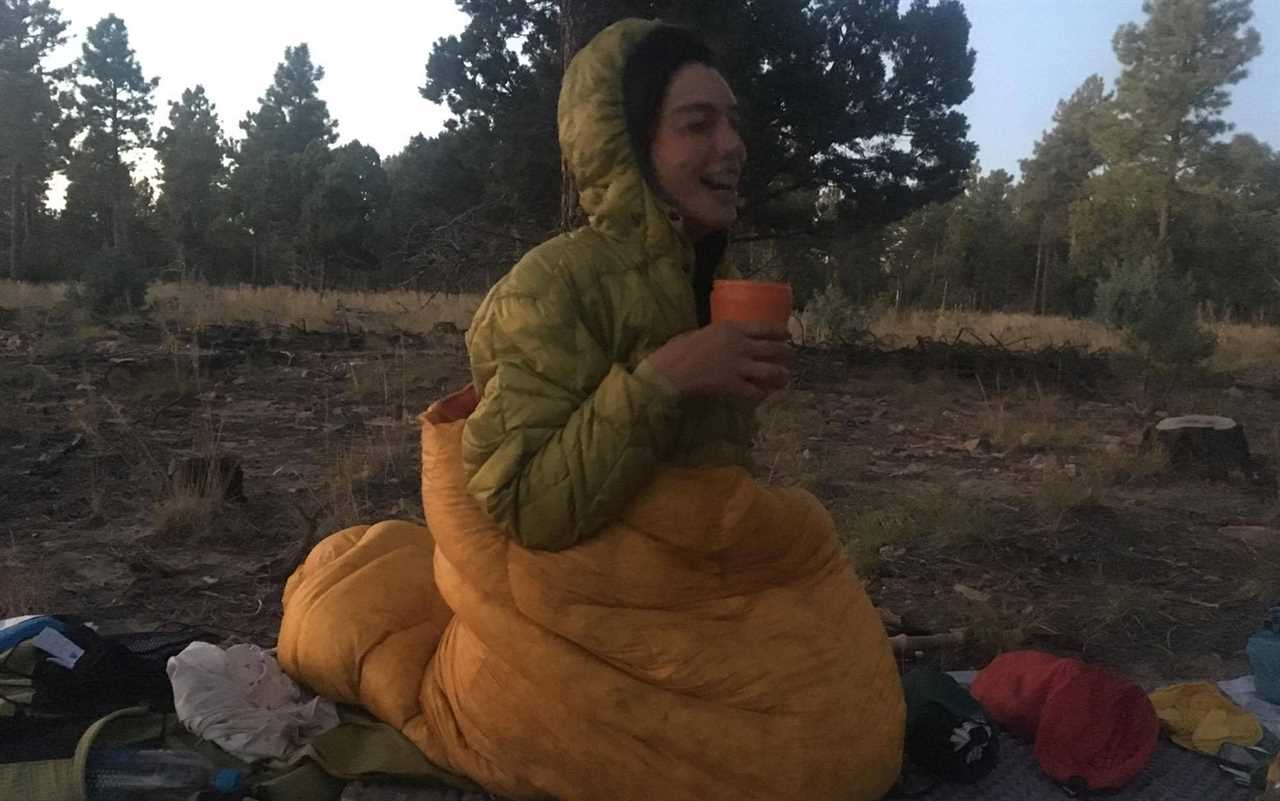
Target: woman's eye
(701, 126)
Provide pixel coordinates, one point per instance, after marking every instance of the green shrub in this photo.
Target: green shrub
(1157, 313)
(110, 281)
(835, 318)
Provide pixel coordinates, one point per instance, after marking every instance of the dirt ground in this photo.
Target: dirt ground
(1025, 512)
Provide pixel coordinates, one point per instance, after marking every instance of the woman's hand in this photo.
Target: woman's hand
(745, 360)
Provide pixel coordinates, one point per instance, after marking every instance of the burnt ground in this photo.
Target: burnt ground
(1024, 510)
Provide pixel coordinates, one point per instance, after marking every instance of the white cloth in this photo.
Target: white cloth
(241, 700)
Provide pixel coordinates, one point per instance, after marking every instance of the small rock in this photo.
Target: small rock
(891, 552)
(913, 469)
(1235, 392)
(1251, 535)
(1071, 470)
(1043, 461)
(239, 381)
(897, 428)
(977, 444)
(1027, 440)
(969, 593)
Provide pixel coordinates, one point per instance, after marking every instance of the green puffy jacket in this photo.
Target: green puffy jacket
(572, 423)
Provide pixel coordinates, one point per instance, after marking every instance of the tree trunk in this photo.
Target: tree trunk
(1204, 443)
(1035, 285)
(1050, 262)
(580, 20)
(13, 223)
(1165, 202)
(1162, 235)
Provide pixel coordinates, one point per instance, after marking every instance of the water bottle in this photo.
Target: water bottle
(125, 774)
(1264, 657)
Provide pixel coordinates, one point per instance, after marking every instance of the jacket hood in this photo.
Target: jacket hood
(594, 141)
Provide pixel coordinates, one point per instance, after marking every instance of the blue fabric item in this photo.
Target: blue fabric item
(227, 780)
(24, 630)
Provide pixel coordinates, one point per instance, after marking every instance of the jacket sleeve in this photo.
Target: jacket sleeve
(563, 438)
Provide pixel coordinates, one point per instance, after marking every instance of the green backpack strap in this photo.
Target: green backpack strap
(64, 779)
(360, 747)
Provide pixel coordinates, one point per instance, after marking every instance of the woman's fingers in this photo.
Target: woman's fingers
(765, 375)
(767, 350)
(765, 330)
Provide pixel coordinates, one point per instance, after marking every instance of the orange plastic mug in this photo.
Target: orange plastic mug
(750, 301)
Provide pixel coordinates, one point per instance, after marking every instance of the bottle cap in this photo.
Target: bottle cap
(1272, 622)
(226, 780)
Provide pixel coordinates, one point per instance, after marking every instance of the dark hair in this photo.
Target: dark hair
(645, 77)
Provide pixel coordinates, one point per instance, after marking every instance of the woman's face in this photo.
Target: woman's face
(696, 151)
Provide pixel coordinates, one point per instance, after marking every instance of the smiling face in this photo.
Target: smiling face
(696, 152)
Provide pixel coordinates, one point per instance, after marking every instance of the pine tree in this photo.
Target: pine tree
(114, 110)
(290, 130)
(1170, 96)
(33, 130)
(1053, 178)
(192, 152)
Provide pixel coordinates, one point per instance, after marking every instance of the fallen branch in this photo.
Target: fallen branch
(907, 645)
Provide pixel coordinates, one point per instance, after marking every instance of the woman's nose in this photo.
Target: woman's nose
(730, 141)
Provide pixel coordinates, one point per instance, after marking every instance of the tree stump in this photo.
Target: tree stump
(1205, 443)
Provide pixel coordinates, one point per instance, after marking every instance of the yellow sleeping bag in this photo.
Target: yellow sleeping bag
(713, 644)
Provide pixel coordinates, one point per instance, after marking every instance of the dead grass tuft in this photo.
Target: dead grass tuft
(1033, 421)
(1014, 330)
(194, 305)
(868, 524)
(1058, 494)
(188, 509)
(191, 502)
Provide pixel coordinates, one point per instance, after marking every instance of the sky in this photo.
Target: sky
(1031, 53)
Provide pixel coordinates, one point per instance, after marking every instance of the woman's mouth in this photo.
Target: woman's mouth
(724, 190)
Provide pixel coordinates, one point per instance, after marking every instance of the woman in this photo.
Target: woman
(588, 357)
(618, 610)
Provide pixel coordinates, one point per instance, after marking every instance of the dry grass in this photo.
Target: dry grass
(192, 304)
(22, 295)
(1245, 346)
(1099, 476)
(873, 520)
(191, 501)
(189, 508)
(1241, 346)
(1033, 423)
(1014, 330)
